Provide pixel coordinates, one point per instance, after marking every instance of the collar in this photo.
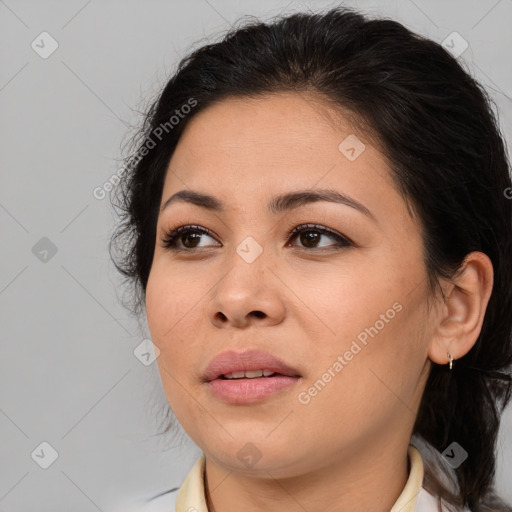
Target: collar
(191, 495)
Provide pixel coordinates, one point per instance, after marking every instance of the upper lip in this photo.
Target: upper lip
(232, 361)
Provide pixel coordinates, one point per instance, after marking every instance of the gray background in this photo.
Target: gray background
(69, 376)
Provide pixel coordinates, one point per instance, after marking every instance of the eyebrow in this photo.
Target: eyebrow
(278, 204)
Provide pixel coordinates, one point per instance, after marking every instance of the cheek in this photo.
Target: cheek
(343, 303)
(169, 306)
(168, 301)
(374, 382)
(373, 342)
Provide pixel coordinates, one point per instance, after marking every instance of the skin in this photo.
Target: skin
(335, 452)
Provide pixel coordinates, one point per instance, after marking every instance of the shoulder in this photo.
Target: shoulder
(165, 502)
(426, 502)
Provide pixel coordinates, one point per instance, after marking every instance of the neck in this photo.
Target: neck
(366, 479)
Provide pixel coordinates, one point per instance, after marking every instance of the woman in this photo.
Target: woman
(316, 223)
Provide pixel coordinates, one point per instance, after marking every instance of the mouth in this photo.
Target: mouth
(251, 374)
(248, 377)
(249, 364)
(250, 390)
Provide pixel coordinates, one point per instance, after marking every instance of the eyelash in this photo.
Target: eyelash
(169, 240)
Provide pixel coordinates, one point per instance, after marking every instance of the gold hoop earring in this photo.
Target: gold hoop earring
(450, 361)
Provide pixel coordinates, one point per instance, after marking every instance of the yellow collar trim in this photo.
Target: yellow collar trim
(191, 495)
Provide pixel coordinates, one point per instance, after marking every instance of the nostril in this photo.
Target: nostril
(258, 314)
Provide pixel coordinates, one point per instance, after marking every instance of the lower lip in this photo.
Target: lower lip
(248, 391)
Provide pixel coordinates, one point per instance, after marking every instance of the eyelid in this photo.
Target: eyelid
(321, 229)
(171, 235)
(169, 238)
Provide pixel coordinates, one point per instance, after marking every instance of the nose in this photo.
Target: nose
(249, 293)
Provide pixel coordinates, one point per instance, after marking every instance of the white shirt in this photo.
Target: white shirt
(425, 502)
(190, 496)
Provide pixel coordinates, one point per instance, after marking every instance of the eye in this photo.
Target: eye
(311, 234)
(189, 236)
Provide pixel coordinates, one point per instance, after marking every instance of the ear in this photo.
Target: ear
(462, 314)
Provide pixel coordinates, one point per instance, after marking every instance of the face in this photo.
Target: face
(342, 300)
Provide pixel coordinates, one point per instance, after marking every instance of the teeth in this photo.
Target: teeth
(250, 374)
(235, 375)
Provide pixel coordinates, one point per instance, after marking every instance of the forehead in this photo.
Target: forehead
(247, 150)
(285, 135)
(278, 122)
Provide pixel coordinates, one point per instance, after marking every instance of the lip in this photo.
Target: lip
(250, 391)
(232, 361)
(245, 390)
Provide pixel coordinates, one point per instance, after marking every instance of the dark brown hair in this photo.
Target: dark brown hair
(438, 130)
